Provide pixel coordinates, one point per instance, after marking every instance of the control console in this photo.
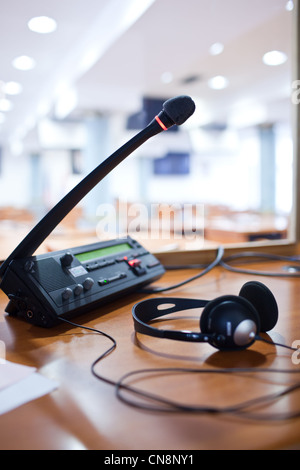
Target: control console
(44, 288)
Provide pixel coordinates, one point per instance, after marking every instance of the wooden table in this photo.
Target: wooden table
(241, 228)
(84, 413)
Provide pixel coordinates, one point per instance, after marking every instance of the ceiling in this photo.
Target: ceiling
(105, 55)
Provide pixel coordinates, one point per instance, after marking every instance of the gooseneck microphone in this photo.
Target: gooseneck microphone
(175, 112)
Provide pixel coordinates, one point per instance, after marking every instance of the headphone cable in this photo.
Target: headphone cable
(265, 256)
(170, 406)
(207, 269)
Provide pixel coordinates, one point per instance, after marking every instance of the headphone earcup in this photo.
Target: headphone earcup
(231, 321)
(263, 301)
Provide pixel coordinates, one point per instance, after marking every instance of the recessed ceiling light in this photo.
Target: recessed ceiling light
(274, 58)
(5, 104)
(12, 88)
(218, 83)
(42, 24)
(216, 48)
(289, 5)
(166, 77)
(24, 62)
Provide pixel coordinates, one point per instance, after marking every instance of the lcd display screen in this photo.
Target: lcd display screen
(101, 252)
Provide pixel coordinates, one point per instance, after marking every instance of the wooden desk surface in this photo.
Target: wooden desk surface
(84, 413)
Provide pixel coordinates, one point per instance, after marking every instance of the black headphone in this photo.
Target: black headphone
(228, 322)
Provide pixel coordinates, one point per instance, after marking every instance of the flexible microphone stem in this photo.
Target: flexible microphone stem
(40, 232)
(175, 111)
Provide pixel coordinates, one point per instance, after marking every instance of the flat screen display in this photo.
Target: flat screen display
(101, 252)
(172, 164)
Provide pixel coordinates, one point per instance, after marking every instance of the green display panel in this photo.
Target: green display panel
(101, 252)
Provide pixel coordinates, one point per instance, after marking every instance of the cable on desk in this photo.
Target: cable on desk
(294, 270)
(166, 405)
(239, 409)
(207, 269)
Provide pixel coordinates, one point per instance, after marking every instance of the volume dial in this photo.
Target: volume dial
(88, 283)
(67, 293)
(66, 260)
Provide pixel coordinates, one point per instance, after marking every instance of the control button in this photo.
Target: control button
(66, 260)
(139, 270)
(88, 283)
(116, 277)
(119, 259)
(92, 267)
(134, 263)
(102, 264)
(105, 281)
(78, 289)
(99, 264)
(153, 264)
(136, 267)
(67, 293)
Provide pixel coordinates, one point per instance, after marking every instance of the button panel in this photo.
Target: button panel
(99, 264)
(117, 277)
(69, 282)
(96, 278)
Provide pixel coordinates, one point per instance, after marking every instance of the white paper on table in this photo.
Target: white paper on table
(21, 384)
(10, 373)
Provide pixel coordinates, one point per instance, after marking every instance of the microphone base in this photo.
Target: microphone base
(42, 290)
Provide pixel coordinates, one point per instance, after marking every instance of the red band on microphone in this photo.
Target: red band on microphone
(161, 123)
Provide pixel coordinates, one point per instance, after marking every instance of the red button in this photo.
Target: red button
(134, 263)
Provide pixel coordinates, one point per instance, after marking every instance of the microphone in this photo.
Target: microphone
(175, 112)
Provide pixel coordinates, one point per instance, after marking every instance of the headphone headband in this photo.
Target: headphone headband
(228, 322)
(147, 310)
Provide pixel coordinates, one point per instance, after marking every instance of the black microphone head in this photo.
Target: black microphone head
(179, 109)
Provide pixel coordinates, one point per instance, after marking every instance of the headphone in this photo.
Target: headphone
(228, 322)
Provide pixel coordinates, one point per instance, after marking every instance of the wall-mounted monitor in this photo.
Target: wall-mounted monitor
(173, 163)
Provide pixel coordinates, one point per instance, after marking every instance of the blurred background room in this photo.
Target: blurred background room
(78, 78)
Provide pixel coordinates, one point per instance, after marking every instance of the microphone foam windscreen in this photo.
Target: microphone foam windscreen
(179, 109)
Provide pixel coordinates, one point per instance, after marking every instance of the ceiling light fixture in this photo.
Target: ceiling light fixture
(5, 104)
(289, 5)
(274, 58)
(216, 48)
(24, 62)
(12, 88)
(218, 83)
(166, 77)
(42, 24)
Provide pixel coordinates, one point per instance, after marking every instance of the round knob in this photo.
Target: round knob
(66, 259)
(78, 289)
(88, 283)
(67, 293)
